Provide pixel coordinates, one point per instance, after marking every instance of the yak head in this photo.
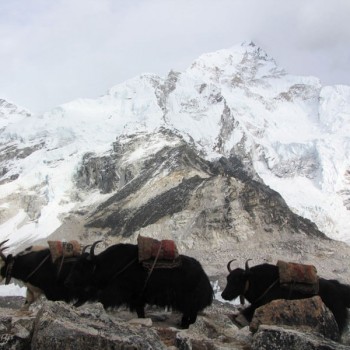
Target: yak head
(82, 271)
(237, 282)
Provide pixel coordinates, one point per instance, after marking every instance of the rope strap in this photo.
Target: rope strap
(38, 267)
(152, 268)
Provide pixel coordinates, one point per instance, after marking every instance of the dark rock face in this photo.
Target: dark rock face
(176, 182)
(168, 203)
(97, 172)
(162, 90)
(9, 153)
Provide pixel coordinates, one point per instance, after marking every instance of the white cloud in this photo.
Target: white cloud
(55, 51)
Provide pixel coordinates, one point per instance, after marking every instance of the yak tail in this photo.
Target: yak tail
(345, 291)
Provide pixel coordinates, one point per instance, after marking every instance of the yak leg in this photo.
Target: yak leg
(187, 319)
(80, 302)
(240, 320)
(140, 310)
(248, 312)
(32, 294)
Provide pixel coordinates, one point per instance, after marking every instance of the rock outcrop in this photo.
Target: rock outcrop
(88, 329)
(310, 315)
(57, 325)
(178, 193)
(277, 338)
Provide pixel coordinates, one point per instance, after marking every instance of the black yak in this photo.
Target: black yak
(260, 285)
(35, 269)
(115, 277)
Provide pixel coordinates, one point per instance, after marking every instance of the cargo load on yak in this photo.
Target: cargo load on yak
(63, 250)
(157, 254)
(298, 277)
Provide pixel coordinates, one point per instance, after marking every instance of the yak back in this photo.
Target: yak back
(27, 261)
(263, 276)
(264, 286)
(118, 272)
(111, 262)
(151, 248)
(260, 278)
(36, 268)
(299, 277)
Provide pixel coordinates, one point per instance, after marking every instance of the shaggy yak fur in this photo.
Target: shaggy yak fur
(253, 284)
(35, 269)
(115, 277)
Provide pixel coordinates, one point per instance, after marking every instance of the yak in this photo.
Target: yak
(35, 269)
(115, 277)
(260, 285)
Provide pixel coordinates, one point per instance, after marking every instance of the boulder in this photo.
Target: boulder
(15, 330)
(59, 326)
(309, 315)
(214, 330)
(278, 338)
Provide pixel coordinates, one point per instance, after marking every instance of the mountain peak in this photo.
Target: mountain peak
(10, 113)
(234, 102)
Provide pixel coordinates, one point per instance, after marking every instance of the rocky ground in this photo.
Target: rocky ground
(57, 325)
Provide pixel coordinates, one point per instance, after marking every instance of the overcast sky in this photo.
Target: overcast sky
(54, 51)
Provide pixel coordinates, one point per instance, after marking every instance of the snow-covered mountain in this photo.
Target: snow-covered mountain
(289, 132)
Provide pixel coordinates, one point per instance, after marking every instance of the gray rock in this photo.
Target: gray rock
(214, 330)
(59, 326)
(56, 325)
(277, 338)
(309, 314)
(15, 330)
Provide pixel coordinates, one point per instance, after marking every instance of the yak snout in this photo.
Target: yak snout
(225, 294)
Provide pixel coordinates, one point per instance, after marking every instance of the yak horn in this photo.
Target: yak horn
(2, 255)
(92, 249)
(228, 265)
(3, 242)
(247, 266)
(86, 247)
